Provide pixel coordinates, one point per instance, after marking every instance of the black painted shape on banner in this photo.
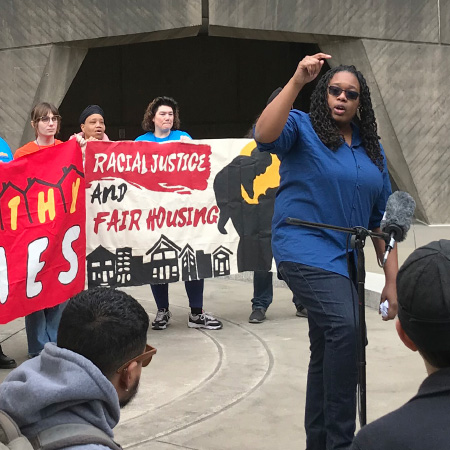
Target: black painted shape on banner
(204, 265)
(188, 264)
(101, 268)
(252, 222)
(221, 258)
(123, 266)
(105, 268)
(164, 261)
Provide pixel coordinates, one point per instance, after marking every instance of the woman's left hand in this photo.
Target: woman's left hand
(389, 293)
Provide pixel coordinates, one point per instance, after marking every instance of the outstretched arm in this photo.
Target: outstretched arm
(272, 120)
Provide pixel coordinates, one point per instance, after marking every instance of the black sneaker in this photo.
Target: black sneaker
(204, 320)
(257, 316)
(301, 312)
(162, 319)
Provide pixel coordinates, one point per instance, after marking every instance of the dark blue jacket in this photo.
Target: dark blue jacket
(422, 423)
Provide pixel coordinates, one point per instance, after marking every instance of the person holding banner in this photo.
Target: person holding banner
(46, 121)
(5, 156)
(333, 170)
(92, 124)
(161, 122)
(42, 326)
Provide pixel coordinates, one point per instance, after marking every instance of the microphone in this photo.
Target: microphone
(397, 219)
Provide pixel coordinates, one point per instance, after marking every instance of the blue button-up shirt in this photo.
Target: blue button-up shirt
(342, 187)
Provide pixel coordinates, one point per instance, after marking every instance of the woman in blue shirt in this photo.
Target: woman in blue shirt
(162, 123)
(333, 170)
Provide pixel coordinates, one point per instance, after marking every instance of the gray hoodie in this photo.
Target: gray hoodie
(58, 387)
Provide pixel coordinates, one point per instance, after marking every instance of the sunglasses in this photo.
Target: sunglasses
(336, 91)
(46, 119)
(145, 357)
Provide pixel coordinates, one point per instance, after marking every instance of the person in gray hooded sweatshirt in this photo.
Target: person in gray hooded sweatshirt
(92, 371)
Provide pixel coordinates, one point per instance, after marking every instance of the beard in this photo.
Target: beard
(129, 395)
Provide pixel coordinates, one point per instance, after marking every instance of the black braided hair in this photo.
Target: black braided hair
(327, 129)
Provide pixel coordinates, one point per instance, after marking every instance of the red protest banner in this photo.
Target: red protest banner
(179, 167)
(42, 230)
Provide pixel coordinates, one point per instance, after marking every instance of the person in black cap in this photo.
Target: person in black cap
(263, 279)
(423, 325)
(92, 124)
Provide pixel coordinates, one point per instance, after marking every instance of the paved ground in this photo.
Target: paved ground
(243, 386)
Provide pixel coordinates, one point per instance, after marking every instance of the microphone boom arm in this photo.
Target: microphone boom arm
(355, 230)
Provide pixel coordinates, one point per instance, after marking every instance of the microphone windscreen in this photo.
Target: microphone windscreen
(398, 216)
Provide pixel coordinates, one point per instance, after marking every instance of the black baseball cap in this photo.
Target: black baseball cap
(423, 291)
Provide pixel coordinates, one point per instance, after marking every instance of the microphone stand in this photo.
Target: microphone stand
(358, 241)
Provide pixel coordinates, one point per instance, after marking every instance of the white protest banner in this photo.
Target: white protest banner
(159, 213)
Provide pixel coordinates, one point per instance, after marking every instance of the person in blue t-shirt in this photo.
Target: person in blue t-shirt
(333, 170)
(5, 152)
(162, 123)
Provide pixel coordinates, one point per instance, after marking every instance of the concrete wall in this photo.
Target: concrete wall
(42, 45)
(401, 46)
(95, 22)
(401, 20)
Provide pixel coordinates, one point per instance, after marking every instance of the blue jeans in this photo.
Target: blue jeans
(194, 290)
(263, 291)
(42, 327)
(332, 304)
